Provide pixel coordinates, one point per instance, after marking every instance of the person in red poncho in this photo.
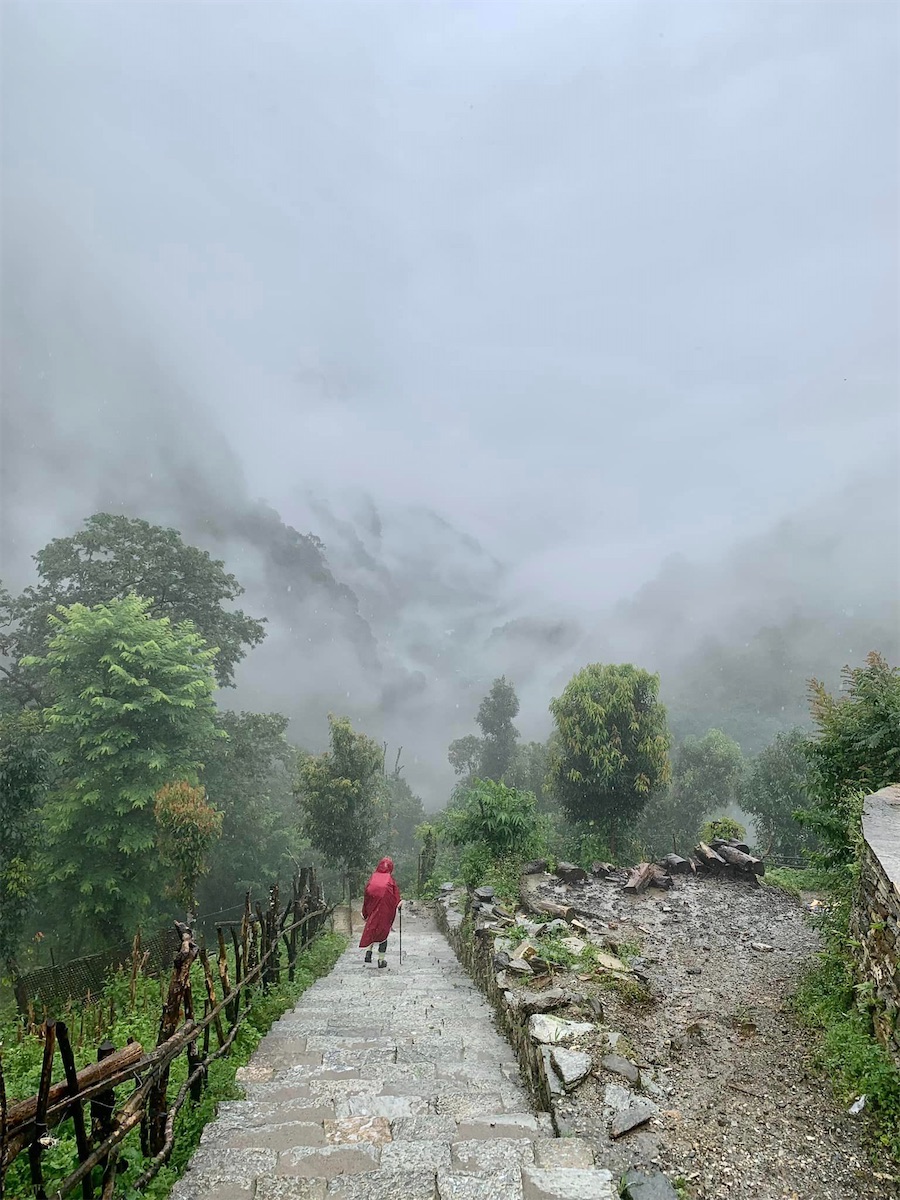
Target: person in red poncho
(380, 904)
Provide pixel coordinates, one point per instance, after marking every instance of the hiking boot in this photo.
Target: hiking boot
(368, 957)
(382, 962)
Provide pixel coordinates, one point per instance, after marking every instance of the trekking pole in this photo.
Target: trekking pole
(401, 936)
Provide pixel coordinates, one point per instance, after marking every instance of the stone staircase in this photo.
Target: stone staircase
(389, 1085)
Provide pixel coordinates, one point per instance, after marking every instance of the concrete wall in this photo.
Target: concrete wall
(876, 920)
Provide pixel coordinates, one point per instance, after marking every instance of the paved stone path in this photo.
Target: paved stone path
(389, 1085)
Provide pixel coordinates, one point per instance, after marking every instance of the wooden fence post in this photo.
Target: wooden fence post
(238, 973)
(179, 995)
(103, 1106)
(77, 1109)
(274, 966)
(36, 1149)
(24, 1126)
(211, 993)
(224, 981)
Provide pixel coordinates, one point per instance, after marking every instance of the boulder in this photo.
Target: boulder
(638, 1112)
(541, 1002)
(536, 867)
(571, 1066)
(602, 870)
(639, 1185)
(570, 873)
(554, 1031)
(484, 893)
(621, 1066)
(519, 966)
(525, 950)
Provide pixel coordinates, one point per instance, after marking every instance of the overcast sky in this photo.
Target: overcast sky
(599, 283)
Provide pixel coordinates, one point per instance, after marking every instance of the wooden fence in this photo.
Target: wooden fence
(257, 941)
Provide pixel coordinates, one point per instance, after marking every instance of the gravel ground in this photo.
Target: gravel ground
(743, 1110)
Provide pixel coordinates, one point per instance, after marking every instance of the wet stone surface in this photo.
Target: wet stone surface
(389, 1085)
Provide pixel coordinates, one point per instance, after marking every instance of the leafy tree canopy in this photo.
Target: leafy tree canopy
(111, 558)
(186, 828)
(611, 750)
(855, 749)
(495, 720)
(338, 794)
(529, 772)
(492, 815)
(249, 777)
(774, 789)
(23, 773)
(401, 814)
(706, 777)
(492, 755)
(134, 710)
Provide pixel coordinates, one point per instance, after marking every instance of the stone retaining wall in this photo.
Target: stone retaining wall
(475, 950)
(876, 920)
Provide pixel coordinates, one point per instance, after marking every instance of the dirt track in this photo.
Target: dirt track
(744, 1112)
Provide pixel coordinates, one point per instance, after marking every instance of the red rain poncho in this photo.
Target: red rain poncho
(379, 904)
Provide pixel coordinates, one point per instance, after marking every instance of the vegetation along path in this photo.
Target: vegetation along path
(389, 1083)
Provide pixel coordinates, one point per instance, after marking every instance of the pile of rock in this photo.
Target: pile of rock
(559, 1033)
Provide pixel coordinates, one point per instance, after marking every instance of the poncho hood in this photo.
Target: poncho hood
(386, 865)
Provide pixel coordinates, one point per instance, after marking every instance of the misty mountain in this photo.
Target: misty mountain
(461, 374)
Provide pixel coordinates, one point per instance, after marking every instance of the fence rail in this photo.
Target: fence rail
(257, 941)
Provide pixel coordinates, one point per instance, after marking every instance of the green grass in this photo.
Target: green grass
(22, 1065)
(798, 880)
(830, 1001)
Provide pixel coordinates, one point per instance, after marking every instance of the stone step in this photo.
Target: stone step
(388, 1087)
(567, 1183)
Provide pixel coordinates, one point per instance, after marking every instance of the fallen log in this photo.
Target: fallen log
(708, 857)
(640, 878)
(717, 843)
(745, 862)
(94, 1073)
(674, 864)
(659, 879)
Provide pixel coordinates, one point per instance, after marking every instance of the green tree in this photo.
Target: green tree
(706, 778)
(338, 794)
(23, 774)
(401, 813)
(855, 749)
(492, 755)
(492, 815)
(109, 559)
(529, 772)
(250, 777)
(611, 750)
(464, 756)
(499, 736)
(772, 792)
(134, 710)
(186, 829)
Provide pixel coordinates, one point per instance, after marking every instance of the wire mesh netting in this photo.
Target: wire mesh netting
(52, 989)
